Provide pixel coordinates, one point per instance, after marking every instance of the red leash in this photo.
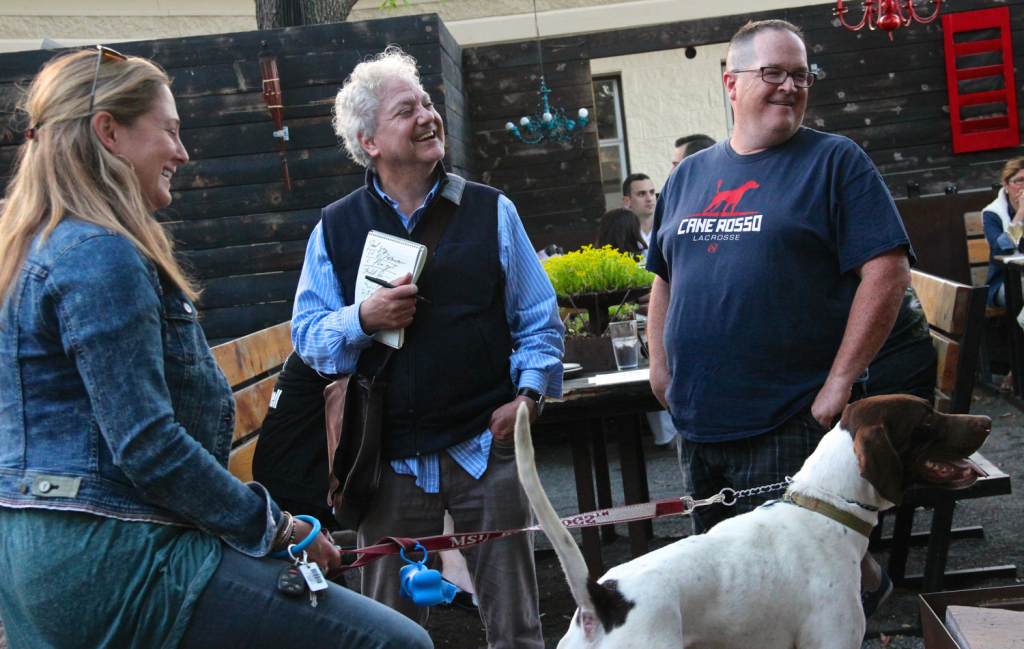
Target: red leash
(626, 514)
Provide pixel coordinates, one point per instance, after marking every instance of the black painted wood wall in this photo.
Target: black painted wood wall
(236, 227)
(556, 187)
(889, 97)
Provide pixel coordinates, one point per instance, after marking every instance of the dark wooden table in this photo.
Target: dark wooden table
(586, 412)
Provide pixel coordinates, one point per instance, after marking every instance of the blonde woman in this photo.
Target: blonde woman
(997, 218)
(121, 525)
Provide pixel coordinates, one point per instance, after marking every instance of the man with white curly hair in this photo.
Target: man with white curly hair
(489, 339)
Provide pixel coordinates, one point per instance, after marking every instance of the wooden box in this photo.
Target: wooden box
(933, 610)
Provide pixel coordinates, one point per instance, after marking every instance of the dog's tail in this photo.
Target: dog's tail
(565, 546)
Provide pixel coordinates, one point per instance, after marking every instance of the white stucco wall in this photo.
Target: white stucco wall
(25, 23)
(478, 22)
(666, 96)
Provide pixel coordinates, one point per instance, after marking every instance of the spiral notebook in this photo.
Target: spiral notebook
(388, 258)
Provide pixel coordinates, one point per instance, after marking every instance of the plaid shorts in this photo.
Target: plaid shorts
(745, 463)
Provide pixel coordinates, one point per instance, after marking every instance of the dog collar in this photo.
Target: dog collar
(829, 511)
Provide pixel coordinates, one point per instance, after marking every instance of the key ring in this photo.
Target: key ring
(401, 551)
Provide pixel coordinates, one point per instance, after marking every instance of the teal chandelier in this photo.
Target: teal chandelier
(547, 125)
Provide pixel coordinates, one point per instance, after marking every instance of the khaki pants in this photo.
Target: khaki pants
(504, 575)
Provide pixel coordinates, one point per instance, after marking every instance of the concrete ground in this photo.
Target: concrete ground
(1002, 517)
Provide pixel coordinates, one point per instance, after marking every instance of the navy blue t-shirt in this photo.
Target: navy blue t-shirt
(759, 251)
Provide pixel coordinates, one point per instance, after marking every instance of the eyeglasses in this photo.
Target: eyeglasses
(1016, 181)
(778, 76)
(101, 54)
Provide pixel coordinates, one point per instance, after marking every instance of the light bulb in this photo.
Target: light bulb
(583, 113)
(546, 117)
(510, 126)
(524, 121)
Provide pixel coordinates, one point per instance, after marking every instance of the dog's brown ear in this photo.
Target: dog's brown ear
(879, 463)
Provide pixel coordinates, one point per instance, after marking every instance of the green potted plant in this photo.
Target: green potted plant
(606, 284)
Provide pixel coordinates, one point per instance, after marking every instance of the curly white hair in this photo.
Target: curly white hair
(355, 107)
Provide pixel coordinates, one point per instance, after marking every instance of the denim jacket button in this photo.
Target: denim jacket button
(44, 486)
(23, 488)
(188, 307)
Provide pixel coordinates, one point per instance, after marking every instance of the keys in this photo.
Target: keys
(313, 577)
(291, 582)
(297, 578)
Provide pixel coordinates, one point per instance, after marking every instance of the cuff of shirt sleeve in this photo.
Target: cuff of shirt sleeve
(273, 519)
(352, 330)
(535, 380)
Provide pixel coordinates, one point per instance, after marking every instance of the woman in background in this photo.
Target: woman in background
(997, 218)
(121, 524)
(620, 229)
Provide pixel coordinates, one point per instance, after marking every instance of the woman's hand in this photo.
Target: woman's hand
(322, 552)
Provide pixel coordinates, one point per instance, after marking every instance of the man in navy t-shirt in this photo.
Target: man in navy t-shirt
(781, 264)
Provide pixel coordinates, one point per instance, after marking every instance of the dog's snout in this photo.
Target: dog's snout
(983, 422)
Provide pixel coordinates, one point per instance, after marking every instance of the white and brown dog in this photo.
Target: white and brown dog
(778, 577)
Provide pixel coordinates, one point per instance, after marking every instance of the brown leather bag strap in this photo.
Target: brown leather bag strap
(437, 221)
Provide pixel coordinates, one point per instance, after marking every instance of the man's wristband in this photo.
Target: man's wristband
(534, 396)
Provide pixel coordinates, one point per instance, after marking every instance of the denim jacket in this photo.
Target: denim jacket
(110, 400)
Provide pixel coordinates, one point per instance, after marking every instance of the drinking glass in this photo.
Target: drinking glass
(1015, 231)
(625, 343)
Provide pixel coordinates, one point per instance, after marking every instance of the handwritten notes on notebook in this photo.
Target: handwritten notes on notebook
(388, 258)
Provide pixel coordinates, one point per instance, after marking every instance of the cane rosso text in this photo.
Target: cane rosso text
(737, 224)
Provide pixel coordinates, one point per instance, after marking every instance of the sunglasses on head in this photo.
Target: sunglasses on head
(102, 53)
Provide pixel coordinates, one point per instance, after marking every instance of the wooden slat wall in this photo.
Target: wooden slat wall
(555, 187)
(889, 97)
(238, 230)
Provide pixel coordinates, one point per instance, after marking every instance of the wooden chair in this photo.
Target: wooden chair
(251, 365)
(956, 315)
(978, 257)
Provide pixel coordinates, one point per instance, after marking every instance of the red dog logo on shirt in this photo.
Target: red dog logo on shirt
(726, 201)
(720, 221)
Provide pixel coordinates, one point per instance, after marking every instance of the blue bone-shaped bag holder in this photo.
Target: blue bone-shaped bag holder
(423, 586)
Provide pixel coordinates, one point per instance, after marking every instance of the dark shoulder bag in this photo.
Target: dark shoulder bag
(355, 409)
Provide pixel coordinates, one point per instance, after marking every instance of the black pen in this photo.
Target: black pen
(376, 280)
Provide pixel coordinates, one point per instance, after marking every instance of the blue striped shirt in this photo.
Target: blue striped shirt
(327, 335)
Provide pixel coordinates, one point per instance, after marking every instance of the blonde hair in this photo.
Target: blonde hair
(64, 170)
(355, 107)
(1010, 169)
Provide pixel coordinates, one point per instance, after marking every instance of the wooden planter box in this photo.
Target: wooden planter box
(596, 304)
(933, 610)
(594, 354)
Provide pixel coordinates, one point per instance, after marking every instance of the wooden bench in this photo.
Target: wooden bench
(955, 315)
(977, 248)
(251, 365)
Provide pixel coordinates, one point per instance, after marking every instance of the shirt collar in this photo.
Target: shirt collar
(394, 203)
